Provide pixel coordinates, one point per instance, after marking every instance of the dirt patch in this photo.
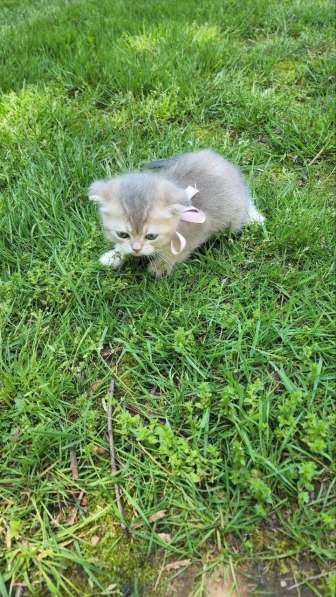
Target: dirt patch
(220, 584)
(189, 583)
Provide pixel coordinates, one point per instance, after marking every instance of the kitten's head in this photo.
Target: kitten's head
(140, 212)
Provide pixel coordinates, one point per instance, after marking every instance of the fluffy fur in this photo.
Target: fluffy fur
(142, 213)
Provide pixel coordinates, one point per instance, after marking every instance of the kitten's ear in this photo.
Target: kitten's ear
(177, 209)
(98, 191)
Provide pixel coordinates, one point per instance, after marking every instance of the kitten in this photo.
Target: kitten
(167, 215)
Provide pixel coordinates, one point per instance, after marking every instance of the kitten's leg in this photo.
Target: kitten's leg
(164, 263)
(251, 216)
(112, 258)
(159, 267)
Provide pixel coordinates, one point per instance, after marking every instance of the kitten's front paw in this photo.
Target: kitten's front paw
(111, 259)
(159, 268)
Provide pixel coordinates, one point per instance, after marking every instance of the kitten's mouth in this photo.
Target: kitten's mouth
(144, 252)
(138, 254)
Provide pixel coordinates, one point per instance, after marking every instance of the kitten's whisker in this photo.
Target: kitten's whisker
(164, 259)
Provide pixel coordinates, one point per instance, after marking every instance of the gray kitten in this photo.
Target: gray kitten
(167, 215)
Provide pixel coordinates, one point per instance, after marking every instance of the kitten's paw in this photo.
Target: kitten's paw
(111, 259)
(159, 268)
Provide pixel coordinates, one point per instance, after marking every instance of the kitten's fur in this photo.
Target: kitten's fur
(152, 203)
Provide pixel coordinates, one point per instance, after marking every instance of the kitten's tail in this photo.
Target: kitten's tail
(254, 215)
(165, 163)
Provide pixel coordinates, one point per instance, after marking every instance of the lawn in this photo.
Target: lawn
(224, 408)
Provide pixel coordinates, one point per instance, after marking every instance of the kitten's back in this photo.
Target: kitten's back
(206, 169)
(223, 193)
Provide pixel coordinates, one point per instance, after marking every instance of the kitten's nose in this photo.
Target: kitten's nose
(136, 246)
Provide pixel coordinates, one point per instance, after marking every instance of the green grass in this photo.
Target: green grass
(228, 362)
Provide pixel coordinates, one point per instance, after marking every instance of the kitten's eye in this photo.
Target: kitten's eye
(151, 236)
(122, 234)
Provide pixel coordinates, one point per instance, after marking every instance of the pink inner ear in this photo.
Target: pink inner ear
(192, 214)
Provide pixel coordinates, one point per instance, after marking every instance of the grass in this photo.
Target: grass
(225, 401)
